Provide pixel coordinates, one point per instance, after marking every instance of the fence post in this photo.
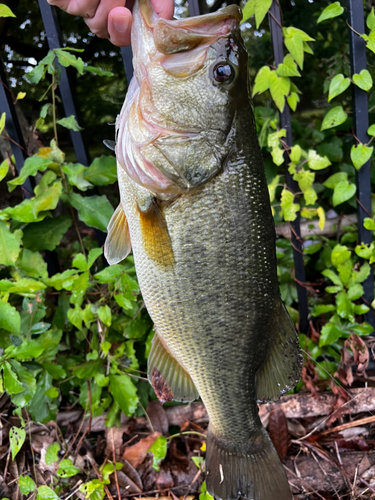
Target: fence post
(194, 8)
(53, 32)
(361, 124)
(13, 129)
(299, 268)
(127, 57)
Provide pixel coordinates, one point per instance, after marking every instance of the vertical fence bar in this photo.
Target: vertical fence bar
(299, 268)
(54, 37)
(127, 57)
(13, 128)
(361, 124)
(194, 8)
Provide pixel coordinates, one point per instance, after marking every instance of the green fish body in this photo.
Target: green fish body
(195, 210)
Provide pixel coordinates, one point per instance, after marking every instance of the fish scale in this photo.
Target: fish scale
(204, 250)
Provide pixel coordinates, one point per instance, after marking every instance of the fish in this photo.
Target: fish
(195, 212)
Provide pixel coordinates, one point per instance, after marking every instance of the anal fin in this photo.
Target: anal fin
(117, 244)
(281, 369)
(170, 380)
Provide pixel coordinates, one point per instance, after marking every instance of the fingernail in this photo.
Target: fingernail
(121, 24)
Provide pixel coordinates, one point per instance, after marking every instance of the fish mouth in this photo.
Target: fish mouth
(181, 35)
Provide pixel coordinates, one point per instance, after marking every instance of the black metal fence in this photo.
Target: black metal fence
(360, 115)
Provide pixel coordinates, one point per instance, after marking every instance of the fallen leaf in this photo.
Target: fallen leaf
(278, 430)
(136, 453)
(158, 417)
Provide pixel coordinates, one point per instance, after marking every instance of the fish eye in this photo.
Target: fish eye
(223, 72)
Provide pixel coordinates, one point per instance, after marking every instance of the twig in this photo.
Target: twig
(114, 464)
(348, 425)
(78, 432)
(304, 482)
(187, 433)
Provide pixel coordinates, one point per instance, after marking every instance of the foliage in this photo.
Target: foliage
(75, 332)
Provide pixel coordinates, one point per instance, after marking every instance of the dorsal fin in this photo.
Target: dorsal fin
(168, 378)
(155, 236)
(117, 244)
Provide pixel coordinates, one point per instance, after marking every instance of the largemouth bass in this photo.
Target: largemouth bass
(195, 210)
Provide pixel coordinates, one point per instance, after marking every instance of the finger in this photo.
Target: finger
(164, 8)
(99, 23)
(61, 4)
(119, 26)
(82, 8)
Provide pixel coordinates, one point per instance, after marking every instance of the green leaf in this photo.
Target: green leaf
(369, 224)
(333, 277)
(295, 153)
(74, 173)
(124, 393)
(11, 382)
(343, 191)
(33, 264)
(329, 334)
(32, 166)
(87, 370)
(26, 485)
(333, 10)
(370, 21)
(102, 171)
(67, 469)
(17, 437)
(322, 309)
(335, 116)
(364, 251)
(248, 10)
(45, 493)
(24, 212)
(47, 234)
(361, 309)
(370, 131)
(94, 490)
(67, 59)
(293, 100)
(294, 43)
(362, 274)
(334, 179)
(340, 254)
(159, 449)
(262, 78)
(345, 308)
(10, 318)
(337, 86)
(288, 67)
(363, 80)
(9, 245)
(279, 88)
(70, 123)
(52, 453)
(272, 187)
(105, 315)
(360, 154)
(52, 392)
(261, 8)
(4, 168)
(5, 11)
(95, 211)
(41, 407)
(317, 162)
(288, 207)
(28, 349)
(355, 291)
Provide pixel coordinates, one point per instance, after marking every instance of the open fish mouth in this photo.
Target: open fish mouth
(161, 138)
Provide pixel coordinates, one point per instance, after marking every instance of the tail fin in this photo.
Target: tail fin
(251, 470)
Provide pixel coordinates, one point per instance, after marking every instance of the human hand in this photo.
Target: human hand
(110, 18)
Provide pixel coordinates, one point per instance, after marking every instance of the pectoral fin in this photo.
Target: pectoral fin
(117, 245)
(155, 235)
(168, 378)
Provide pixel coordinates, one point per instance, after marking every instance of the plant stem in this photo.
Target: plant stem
(187, 433)
(54, 110)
